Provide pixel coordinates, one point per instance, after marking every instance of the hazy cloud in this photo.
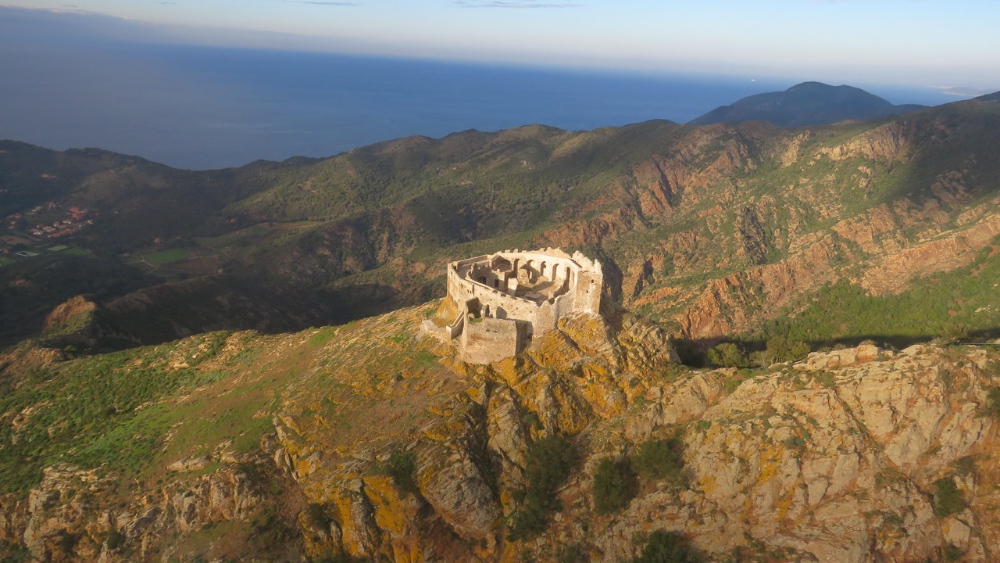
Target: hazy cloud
(508, 4)
(323, 3)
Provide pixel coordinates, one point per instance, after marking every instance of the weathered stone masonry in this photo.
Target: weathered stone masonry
(505, 299)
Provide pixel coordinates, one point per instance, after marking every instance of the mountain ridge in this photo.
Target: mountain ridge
(643, 198)
(808, 103)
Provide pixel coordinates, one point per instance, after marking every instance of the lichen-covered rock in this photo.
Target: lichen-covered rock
(508, 437)
(356, 516)
(455, 486)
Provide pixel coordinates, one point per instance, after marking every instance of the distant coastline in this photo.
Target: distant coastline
(210, 107)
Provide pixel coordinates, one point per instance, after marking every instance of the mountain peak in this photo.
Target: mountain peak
(808, 103)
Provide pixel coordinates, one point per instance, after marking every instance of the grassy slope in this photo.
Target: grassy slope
(138, 410)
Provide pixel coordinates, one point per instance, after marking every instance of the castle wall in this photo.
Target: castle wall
(578, 279)
(490, 340)
(589, 288)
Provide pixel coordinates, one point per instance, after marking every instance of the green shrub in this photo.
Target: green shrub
(948, 498)
(549, 463)
(780, 349)
(573, 553)
(993, 402)
(660, 459)
(13, 553)
(114, 539)
(615, 485)
(965, 466)
(402, 467)
(795, 442)
(66, 541)
(728, 355)
(668, 547)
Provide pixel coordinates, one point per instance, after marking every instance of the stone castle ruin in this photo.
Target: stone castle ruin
(497, 302)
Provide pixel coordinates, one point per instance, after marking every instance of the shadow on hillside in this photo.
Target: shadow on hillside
(694, 353)
(947, 140)
(172, 311)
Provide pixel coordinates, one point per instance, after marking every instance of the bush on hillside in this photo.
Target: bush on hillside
(948, 498)
(728, 355)
(993, 402)
(780, 349)
(615, 485)
(549, 463)
(402, 467)
(660, 459)
(668, 547)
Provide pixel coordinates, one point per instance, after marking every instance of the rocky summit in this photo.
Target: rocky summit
(372, 441)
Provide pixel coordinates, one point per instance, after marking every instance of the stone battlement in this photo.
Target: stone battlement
(527, 290)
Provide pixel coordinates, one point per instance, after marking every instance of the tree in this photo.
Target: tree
(728, 355)
(781, 349)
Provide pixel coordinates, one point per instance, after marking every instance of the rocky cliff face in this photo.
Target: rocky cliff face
(859, 454)
(69, 516)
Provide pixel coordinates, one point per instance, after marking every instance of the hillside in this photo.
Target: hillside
(724, 231)
(809, 103)
(367, 441)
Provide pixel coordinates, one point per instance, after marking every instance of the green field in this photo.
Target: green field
(76, 251)
(165, 257)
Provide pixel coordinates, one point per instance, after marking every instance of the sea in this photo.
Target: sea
(200, 107)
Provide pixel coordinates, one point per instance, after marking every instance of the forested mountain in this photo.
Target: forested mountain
(809, 103)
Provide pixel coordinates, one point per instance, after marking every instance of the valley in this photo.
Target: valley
(717, 231)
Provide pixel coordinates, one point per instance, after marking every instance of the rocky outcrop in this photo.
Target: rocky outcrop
(226, 494)
(459, 492)
(892, 273)
(382, 449)
(732, 304)
(834, 459)
(68, 515)
(885, 143)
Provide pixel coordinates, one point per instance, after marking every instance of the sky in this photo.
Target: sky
(929, 43)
